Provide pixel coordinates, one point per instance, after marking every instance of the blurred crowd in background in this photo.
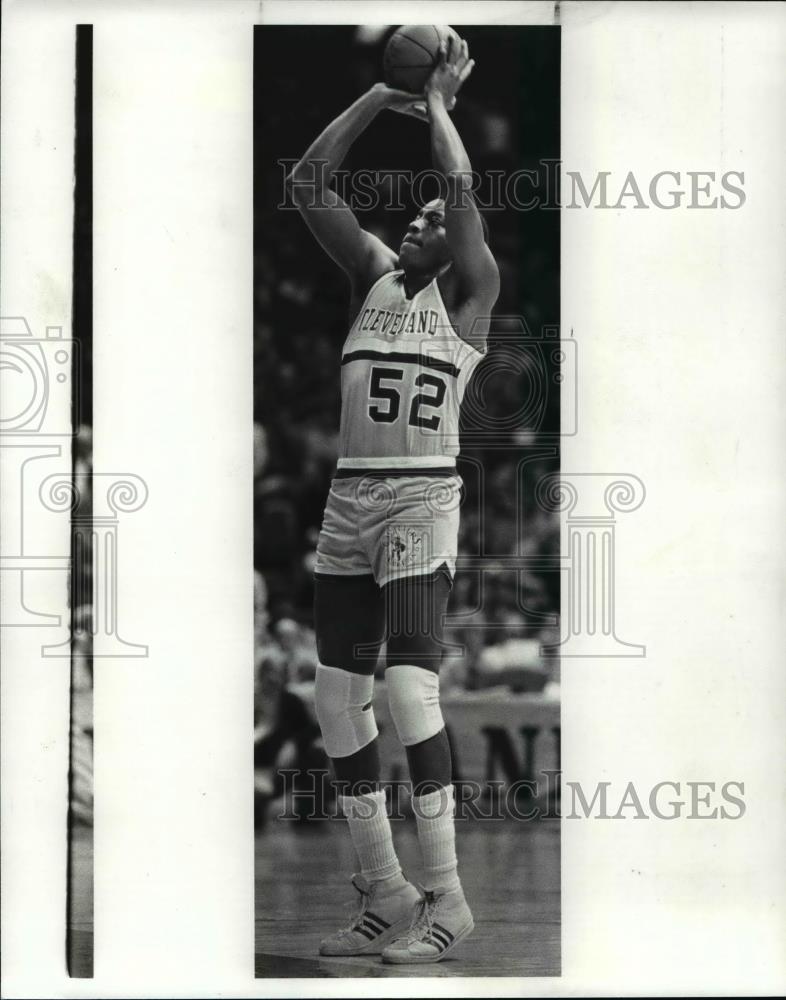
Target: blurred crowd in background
(81, 765)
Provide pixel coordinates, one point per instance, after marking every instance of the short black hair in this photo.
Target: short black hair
(484, 224)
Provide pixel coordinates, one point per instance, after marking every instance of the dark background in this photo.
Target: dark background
(508, 117)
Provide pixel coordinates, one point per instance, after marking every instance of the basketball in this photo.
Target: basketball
(412, 53)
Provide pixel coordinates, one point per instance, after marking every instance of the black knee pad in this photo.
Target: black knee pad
(415, 608)
(349, 619)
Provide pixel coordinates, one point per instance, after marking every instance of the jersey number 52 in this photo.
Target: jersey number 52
(432, 395)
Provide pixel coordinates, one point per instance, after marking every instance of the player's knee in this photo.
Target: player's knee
(413, 696)
(343, 703)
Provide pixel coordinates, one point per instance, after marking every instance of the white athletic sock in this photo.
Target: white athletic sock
(369, 827)
(437, 836)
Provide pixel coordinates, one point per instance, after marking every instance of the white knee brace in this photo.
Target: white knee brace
(413, 696)
(344, 710)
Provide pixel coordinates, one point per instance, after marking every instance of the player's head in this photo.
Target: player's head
(425, 246)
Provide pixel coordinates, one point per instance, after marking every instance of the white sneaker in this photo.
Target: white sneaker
(441, 920)
(385, 913)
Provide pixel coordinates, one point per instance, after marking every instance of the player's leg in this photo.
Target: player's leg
(350, 621)
(415, 566)
(416, 608)
(349, 624)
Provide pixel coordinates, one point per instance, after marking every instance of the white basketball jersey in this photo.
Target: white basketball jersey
(404, 370)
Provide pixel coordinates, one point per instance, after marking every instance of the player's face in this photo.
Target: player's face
(425, 246)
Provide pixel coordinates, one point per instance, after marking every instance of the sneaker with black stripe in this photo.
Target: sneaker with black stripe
(385, 912)
(441, 920)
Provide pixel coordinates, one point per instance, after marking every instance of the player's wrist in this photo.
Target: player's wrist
(381, 96)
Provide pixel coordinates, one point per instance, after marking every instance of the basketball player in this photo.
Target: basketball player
(387, 548)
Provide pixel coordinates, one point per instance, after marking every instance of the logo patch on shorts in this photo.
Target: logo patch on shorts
(404, 546)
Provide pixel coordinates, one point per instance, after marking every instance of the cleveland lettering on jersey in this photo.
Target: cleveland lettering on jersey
(393, 405)
(386, 322)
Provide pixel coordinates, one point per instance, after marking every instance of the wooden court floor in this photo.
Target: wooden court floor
(79, 946)
(511, 877)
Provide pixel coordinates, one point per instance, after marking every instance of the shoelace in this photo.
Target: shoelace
(365, 897)
(423, 917)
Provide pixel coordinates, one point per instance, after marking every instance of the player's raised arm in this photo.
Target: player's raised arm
(362, 255)
(474, 265)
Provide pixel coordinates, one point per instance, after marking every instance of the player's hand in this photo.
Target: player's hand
(452, 70)
(405, 103)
